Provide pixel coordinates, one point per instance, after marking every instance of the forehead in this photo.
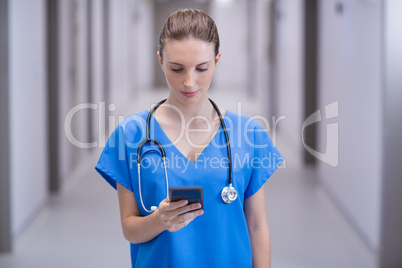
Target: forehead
(188, 51)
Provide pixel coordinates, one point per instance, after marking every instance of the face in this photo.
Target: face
(189, 66)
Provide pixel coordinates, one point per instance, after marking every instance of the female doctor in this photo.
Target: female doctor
(178, 234)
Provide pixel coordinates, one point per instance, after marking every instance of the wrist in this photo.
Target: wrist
(159, 224)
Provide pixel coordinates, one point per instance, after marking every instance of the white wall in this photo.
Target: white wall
(73, 66)
(289, 73)
(73, 81)
(65, 80)
(145, 53)
(28, 104)
(350, 72)
(81, 58)
(131, 48)
(262, 51)
(119, 63)
(97, 63)
(231, 20)
(28, 88)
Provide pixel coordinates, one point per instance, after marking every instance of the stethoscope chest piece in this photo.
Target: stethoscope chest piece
(229, 194)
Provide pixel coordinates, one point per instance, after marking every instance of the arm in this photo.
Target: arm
(169, 216)
(136, 229)
(254, 208)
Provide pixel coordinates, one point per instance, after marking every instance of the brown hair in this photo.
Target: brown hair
(189, 23)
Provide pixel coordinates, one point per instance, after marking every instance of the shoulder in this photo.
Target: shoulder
(252, 129)
(134, 120)
(133, 126)
(247, 122)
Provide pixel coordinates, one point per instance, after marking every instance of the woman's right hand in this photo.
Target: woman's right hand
(173, 215)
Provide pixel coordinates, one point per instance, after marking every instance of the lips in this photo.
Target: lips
(189, 94)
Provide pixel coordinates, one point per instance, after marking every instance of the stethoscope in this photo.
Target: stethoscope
(229, 193)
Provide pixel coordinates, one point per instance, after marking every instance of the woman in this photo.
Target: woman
(177, 234)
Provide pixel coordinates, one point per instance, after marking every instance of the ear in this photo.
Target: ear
(217, 58)
(160, 60)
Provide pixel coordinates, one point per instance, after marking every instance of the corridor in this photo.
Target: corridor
(320, 76)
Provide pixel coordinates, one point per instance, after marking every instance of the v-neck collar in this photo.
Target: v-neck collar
(156, 123)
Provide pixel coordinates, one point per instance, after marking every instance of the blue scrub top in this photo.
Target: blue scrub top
(218, 238)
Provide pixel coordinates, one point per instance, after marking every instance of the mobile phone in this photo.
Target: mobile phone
(191, 193)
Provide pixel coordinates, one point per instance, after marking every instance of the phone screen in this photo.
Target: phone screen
(191, 193)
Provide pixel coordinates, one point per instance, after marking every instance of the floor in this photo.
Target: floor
(81, 226)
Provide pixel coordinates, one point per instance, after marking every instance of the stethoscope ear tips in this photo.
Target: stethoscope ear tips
(229, 194)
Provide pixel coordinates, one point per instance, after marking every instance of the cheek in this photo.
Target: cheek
(172, 79)
(205, 78)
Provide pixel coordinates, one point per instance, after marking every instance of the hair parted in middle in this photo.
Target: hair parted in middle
(185, 23)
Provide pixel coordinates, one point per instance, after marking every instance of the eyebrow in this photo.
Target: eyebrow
(183, 65)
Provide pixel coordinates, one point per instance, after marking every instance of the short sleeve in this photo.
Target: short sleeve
(113, 163)
(265, 161)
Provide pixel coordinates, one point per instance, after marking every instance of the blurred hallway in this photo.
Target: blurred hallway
(324, 75)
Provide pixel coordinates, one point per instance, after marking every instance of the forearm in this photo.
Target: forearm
(138, 229)
(261, 247)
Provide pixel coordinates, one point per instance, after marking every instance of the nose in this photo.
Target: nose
(189, 82)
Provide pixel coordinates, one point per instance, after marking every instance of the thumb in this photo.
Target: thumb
(166, 200)
(164, 203)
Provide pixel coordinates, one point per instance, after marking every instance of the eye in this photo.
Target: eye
(176, 70)
(202, 70)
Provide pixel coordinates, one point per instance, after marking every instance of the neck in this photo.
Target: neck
(202, 108)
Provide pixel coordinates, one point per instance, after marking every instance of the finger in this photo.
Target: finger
(181, 224)
(184, 220)
(175, 205)
(188, 208)
(166, 200)
(181, 210)
(187, 217)
(164, 204)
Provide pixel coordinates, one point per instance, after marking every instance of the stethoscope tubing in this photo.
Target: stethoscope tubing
(227, 141)
(148, 139)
